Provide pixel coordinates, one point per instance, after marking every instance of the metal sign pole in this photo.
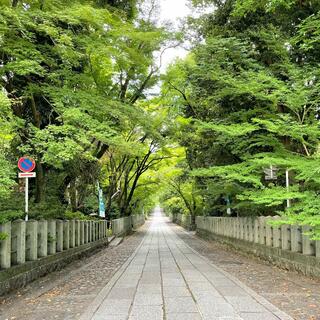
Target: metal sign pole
(27, 198)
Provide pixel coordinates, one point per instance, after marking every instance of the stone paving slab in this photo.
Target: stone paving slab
(166, 279)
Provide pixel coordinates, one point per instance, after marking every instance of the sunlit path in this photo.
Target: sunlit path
(166, 279)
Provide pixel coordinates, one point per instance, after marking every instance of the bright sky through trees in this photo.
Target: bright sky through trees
(173, 11)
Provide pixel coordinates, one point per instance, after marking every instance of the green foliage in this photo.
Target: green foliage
(73, 82)
(10, 215)
(3, 236)
(249, 96)
(6, 135)
(69, 215)
(243, 7)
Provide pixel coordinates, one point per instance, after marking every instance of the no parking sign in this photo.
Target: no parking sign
(26, 165)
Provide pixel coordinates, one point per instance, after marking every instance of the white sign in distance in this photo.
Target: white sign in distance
(27, 174)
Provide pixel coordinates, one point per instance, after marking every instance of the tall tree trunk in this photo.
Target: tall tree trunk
(40, 183)
(73, 195)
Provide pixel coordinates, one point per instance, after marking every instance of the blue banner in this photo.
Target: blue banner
(102, 207)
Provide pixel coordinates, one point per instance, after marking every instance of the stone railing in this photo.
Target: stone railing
(29, 241)
(29, 250)
(34, 248)
(287, 246)
(138, 220)
(123, 226)
(182, 219)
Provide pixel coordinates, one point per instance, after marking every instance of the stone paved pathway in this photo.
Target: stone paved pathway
(166, 279)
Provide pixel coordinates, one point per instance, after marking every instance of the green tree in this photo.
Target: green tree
(74, 75)
(250, 94)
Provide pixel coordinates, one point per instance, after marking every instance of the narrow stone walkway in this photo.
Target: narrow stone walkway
(166, 279)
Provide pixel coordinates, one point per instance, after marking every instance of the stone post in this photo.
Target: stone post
(317, 244)
(89, 231)
(308, 246)
(86, 231)
(296, 239)
(82, 238)
(269, 237)
(251, 229)
(241, 233)
(18, 242)
(276, 235)
(227, 227)
(200, 223)
(246, 228)
(77, 233)
(72, 230)
(52, 237)
(96, 230)
(59, 235)
(262, 230)
(93, 226)
(103, 229)
(66, 235)
(42, 238)
(236, 228)
(285, 237)
(210, 223)
(100, 229)
(32, 240)
(256, 230)
(5, 246)
(241, 225)
(215, 225)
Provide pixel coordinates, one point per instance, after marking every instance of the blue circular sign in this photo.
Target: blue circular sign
(26, 164)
